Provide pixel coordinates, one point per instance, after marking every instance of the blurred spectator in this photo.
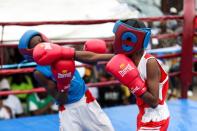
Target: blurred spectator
(9, 55)
(112, 95)
(5, 112)
(40, 103)
(172, 24)
(167, 42)
(128, 97)
(10, 106)
(88, 75)
(21, 82)
(175, 80)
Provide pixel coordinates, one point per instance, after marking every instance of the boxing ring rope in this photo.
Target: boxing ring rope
(29, 70)
(16, 71)
(96, 84)
(88, 22)
(186, 55)
(41, 89)
(107, 40)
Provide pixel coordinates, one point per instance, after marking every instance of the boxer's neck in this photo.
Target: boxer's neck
(136, 57)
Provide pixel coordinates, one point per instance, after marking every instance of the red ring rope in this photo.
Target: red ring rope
(108, 40)
(29, 70)
(97, 84)
(88, 22)
(41, 89)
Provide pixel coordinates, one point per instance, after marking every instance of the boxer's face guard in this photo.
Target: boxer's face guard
(129, 39)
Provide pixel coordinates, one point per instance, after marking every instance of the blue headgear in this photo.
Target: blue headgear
(24, 42)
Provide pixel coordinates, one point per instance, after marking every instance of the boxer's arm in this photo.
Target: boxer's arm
(50, 86)
(151, 96)
(91, 57)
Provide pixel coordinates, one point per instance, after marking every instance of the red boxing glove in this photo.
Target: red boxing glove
(63, 71)
(46, 53)
(95, 45)
(126, 72)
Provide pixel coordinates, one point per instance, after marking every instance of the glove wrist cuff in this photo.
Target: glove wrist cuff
(140, 92)
(68, 53)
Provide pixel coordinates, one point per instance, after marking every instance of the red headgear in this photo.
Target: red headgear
(129, 39)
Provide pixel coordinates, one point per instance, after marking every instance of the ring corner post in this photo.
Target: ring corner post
(187, 46)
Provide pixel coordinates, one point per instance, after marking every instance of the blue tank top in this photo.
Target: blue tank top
(77, 86)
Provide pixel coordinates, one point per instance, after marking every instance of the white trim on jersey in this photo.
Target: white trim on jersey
(157, 114)
(150, 128)
(161, 88)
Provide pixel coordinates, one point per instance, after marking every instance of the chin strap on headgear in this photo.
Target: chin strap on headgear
(129, 39)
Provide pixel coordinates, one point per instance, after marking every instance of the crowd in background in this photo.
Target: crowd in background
(13, 106)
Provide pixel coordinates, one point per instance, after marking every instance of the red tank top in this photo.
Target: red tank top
(148, 115)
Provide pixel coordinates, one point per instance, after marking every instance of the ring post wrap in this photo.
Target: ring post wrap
(122, 68)
(24, 42)
(128, 39)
